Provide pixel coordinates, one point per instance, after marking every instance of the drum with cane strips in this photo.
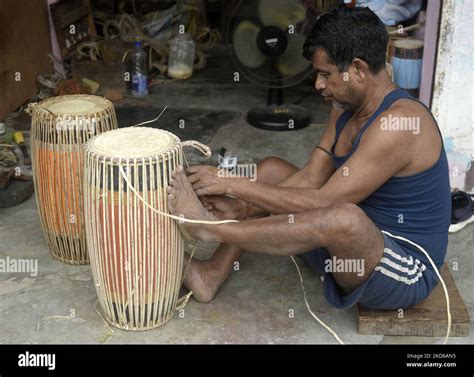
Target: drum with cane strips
(60, 128)
(136, 252)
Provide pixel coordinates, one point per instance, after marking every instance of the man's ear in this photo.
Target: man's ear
(360, 69)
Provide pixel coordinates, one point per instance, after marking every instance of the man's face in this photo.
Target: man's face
(334, 86)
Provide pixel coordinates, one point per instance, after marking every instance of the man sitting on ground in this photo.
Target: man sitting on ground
(367, 182)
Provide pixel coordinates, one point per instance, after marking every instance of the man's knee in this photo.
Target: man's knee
(349, 215)
(270, 164)
(341, 221)
(273, 170)
(349, 220)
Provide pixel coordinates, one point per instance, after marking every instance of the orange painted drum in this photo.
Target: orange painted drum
(60, 128)
(136, 253)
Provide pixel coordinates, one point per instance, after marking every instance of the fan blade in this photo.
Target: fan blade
(292, 62)
(245, 45)
(281, 13)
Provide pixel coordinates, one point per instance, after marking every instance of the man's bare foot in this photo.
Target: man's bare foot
(202, 278)
(183, 202)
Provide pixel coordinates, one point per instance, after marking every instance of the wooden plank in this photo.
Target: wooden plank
(428, 318)
(24, 46)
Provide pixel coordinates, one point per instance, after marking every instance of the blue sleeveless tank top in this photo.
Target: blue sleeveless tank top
(417, 207)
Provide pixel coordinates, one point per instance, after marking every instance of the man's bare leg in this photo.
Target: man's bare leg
(344, 230)
(205, 278)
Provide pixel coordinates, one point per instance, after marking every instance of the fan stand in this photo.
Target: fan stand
(276, 115)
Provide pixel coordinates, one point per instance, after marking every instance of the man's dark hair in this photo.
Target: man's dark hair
(345, 34)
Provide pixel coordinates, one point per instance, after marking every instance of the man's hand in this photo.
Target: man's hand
(224, 207)
(205, 180)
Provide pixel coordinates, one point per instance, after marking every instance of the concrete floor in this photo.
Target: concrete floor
(253, 305)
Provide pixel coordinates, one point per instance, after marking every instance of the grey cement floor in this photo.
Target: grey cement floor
(253, 305)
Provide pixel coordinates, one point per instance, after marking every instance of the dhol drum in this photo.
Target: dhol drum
(60, 128)
(136, 253)
(407, 61)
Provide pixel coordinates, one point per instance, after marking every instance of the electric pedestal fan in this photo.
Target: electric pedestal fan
(265, 41)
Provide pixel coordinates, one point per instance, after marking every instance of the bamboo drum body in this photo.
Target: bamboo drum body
(136, 254)
(60, 128)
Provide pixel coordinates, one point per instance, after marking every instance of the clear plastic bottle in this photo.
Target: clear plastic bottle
(181, 59)
(139, 71)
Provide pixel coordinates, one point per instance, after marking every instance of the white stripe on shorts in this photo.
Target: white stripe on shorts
(390, 252)
(406, 270)
(396, 277)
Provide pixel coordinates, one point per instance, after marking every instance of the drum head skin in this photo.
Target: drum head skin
(133, 143)
(76, 104)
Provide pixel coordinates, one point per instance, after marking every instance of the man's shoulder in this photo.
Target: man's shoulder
(408, 107)
(403, 119)
(404, 131)
(386, 126)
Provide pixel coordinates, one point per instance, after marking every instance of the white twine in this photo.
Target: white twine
(333, 333)
(181, 219)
